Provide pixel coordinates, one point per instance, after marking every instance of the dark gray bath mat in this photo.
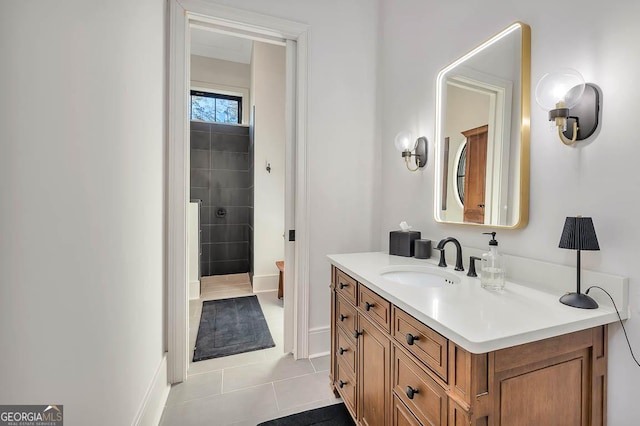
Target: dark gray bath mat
(332, 415)
(231, 326)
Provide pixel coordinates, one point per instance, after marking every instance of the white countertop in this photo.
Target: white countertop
(476, 319)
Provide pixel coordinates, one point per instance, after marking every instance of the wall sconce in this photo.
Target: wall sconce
(572, 104)
(418, 149)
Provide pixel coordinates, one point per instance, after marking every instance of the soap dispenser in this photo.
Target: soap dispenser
(492, 272)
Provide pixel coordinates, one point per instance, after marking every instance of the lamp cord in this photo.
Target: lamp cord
(619, 318)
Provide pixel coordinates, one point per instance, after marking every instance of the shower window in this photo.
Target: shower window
(215, 107)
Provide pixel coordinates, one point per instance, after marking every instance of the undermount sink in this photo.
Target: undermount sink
(419, 276)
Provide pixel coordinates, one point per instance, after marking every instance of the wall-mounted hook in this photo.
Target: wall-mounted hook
(268, 167)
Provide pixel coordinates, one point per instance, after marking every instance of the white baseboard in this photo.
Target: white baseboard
(194, 289)
(154, 401)
(265, 283)
(319, 341)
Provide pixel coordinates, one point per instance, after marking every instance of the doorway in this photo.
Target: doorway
(237, 182)
(293, 36)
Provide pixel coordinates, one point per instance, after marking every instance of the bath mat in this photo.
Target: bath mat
(332, 415)
(231, 326)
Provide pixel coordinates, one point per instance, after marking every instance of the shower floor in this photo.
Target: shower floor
(224, 286)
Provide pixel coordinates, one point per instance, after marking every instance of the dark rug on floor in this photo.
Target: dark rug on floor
(333, 415)
(231, 326)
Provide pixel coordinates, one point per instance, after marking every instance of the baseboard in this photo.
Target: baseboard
(265, 283)
(319, 341)
(265, 291)
(318, 355)
(155, 399)
(194, 289)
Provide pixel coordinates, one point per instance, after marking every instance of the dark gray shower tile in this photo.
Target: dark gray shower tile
(228, 233)
(199, 178)
(205, 255)
(235, 215)
(229, 160)
(229, 267)
(205, 234)
(200, 140)
(205, 269)
(229, 129)
(199, 126)
(229, 179)
(229, 143)
(200, 194)
(229, 196)
(206, 213)
(200, 159)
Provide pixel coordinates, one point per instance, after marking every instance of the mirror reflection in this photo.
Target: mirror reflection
(482, 133)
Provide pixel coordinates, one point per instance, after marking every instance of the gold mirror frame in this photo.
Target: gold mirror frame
(525, 113)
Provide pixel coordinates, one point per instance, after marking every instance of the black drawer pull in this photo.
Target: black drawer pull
(342, 351)
(411, 338)
(343, 317)
(357, 333)
(368, 306)
(411, 392)
(343, 285)
(341, 384)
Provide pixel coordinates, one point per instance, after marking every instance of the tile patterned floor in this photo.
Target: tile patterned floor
(248, 388)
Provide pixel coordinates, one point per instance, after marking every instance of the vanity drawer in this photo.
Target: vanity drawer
(375, 307)
(401, 414)
(428, 346)
(345, 316)
(424, 397)
(347, 287)
(346, 386)
(346, 351)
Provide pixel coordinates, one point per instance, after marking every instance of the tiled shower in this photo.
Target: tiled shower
(220, 179)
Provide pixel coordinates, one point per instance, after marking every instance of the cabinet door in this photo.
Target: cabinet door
(555, 394)
(401, 414)
(374, 382)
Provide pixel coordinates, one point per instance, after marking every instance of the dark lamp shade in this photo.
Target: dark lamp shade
(579, 234)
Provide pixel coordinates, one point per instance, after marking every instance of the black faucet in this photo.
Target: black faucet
(441, 245)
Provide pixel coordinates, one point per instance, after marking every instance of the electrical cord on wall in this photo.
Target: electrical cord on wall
(619, 318)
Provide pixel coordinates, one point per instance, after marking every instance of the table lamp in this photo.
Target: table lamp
(579, 234)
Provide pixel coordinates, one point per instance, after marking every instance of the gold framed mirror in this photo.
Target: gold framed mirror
(482, 133)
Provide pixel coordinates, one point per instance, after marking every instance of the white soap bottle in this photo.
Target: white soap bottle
(493, 269)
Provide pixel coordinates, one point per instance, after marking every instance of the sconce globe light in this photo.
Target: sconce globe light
(572, 104)
(409, 147)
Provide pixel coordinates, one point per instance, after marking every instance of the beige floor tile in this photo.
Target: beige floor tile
(321, 363)
(199, 386)
(223, 409)
(275, 369)
(302, 390)
(238, 360)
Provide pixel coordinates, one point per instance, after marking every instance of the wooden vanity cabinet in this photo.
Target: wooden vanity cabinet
(361, 348)
(391, 369)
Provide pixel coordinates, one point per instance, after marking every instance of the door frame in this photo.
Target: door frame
(258, 27)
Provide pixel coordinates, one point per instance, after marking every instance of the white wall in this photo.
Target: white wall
(268, 89)
(81, 218)
(342, 139)
(595, 179)
(226, 77)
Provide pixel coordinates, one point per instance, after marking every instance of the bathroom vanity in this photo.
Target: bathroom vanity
(414, 344)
